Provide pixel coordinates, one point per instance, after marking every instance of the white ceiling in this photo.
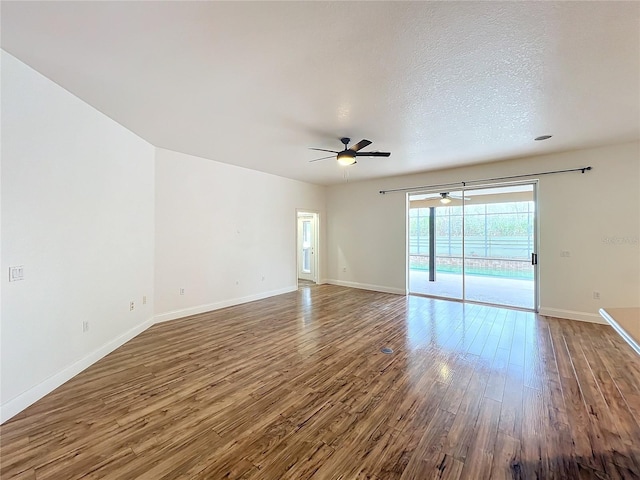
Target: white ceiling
(438, 84)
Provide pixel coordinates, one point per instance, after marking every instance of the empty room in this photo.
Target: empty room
(319, 240)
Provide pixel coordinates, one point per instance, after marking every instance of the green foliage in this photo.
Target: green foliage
(482, 223)
(492, 220)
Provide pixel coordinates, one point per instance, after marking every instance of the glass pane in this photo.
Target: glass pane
(419, 231)
(306, 261)
(498, 246)
(306, 232)
(440, 276)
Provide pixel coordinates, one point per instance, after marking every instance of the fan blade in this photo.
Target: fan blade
(323, 150)
(373, 154)
(323, 158)
(360, 145)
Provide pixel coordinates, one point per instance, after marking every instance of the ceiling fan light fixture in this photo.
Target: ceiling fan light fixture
(346, 158)
(445, 198)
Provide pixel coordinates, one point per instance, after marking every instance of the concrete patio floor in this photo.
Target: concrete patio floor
(494, 290)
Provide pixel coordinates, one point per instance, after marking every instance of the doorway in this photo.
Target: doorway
(476, 244)
(307, 246)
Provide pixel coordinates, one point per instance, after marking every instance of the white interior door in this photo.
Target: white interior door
(307, 247)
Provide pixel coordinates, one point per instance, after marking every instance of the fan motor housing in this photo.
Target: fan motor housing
(347, 154)
(346, 157)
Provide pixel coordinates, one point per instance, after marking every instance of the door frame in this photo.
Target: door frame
(536, 240)
(315, 242)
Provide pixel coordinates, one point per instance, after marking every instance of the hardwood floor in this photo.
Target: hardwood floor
(296, 387)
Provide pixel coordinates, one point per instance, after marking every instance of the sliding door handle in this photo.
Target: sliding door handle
(534, 259)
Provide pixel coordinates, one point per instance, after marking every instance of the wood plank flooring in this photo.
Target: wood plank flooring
(296, 387)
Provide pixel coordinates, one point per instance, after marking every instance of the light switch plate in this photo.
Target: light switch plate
(16, 273)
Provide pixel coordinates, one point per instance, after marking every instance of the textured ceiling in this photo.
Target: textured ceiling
(438, 84)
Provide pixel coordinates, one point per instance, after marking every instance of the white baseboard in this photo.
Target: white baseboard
(22, 401)
(572, 315)
(623, 333)
(186, 312)
(35, 393)
(366, 286)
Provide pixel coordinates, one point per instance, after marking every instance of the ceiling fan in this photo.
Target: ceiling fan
(348, 155)
(447, 197)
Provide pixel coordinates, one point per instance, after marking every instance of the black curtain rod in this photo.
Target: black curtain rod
(464, 184)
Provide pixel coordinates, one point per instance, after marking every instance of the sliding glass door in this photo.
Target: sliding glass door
(475, 245)
(436, 245)
(499, 238)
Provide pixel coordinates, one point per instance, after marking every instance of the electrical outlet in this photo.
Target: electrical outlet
(596, 295)
(144, 299)
(182, 291)
(565, 253)
(131, 306)
(85, 326)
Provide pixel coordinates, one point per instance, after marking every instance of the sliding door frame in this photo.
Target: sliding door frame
(463, 189)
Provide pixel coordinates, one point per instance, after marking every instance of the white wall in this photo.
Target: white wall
(80, 195)
(77, 212)
(596, 216)
(220, 229)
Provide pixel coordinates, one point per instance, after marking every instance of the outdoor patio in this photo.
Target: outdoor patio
(479, 288)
